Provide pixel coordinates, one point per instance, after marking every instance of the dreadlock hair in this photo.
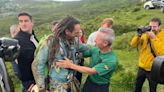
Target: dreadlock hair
(67, 23)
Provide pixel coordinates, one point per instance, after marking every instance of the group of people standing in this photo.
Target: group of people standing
(59, 57)
(56, 53)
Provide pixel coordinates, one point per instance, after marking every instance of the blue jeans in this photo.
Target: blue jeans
(26, 85)
(141, 76)
(16, 69)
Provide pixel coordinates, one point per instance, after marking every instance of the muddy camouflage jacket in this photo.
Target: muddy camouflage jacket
(57, 76)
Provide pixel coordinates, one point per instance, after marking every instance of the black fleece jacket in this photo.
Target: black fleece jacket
(26, 55)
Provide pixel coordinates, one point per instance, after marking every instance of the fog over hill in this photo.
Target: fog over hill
(12, 7)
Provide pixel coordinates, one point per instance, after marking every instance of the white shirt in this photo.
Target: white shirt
(91, 38)
(34, 40)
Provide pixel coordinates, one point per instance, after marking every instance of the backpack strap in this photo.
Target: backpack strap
(152, 51)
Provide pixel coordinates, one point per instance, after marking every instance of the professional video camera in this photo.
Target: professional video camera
(144, 29)
(9, 49)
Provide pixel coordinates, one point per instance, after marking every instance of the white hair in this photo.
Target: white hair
(109, 35)
(13, 28)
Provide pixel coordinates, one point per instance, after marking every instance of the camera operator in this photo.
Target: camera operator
(151, 42)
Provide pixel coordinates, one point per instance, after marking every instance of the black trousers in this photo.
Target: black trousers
(78, 74)
(141, 76)
(89, 86)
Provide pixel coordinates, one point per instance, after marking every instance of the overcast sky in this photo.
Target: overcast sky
(66, 0)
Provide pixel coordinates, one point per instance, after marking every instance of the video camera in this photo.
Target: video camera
(9, 49)
(144, 29)
(157, 71)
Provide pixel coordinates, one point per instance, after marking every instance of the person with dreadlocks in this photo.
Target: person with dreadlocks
(62, 44)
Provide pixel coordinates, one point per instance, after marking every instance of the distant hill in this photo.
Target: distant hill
(128, 14)
(44, 12)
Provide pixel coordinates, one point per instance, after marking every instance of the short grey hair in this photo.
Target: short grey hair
(109, 35)
(13, 28)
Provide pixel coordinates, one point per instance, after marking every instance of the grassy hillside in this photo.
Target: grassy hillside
(45, 12)
(127, 15)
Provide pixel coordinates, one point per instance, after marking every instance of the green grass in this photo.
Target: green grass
(16, 82)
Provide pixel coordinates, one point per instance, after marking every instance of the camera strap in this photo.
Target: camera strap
(152, 51)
